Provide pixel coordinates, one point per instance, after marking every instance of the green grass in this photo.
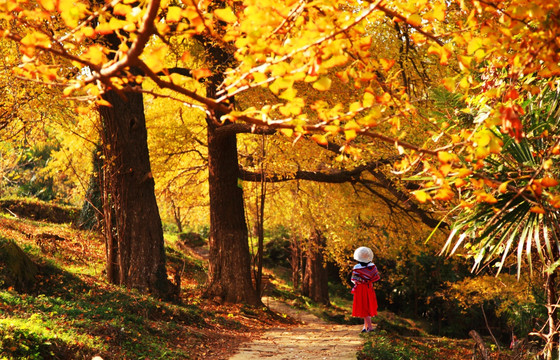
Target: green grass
(72, 313)
(381, 346)
(76, 319)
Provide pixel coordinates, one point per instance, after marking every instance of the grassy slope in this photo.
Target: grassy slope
(73, 313)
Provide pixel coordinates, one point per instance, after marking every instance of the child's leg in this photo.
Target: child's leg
(367, 323)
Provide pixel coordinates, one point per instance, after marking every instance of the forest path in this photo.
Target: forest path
(314, 339)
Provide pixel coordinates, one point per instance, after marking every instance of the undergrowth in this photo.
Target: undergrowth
(71, 312)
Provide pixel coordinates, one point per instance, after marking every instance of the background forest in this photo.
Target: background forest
(276, 139)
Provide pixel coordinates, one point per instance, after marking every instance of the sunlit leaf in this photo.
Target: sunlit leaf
(201, 73)
(421, 196)
(414, 20)
(320, 139)
(323, 84)
(174, 14)
(226, 15)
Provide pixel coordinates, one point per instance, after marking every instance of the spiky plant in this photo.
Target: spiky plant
(519, 218)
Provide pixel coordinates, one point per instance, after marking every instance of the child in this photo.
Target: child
(364, 274)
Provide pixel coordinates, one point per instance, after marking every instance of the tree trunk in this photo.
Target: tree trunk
(315, 281)
(260, 202)
(229, 269)
(296, 262)
(91, 213)
(133, 229)
(551, 303)
(177, 216)
(479, 346)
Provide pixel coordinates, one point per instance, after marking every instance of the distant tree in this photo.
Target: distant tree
(315, 281)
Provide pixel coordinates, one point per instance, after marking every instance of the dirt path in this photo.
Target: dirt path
(315, 339)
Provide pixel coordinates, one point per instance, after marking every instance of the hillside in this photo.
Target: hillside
(71, 312)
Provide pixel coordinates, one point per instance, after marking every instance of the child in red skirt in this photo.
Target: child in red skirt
(364, 274)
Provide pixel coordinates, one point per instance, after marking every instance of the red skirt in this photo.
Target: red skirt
(365, 302)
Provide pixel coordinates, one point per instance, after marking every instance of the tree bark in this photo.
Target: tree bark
(91, 214)
(229, 265)
(296, 262)
(133, 229)
(229, 268)
(315, 281)
(479, 346)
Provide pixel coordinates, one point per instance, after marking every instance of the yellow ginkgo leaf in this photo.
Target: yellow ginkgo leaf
(387, 64)
(332, 129)
(460, 183)
(485, 197)
(421, 196)
(201, 73)
(36, 39)
(95, 55)
(351, 125)
(103, 29)
(102, 102)
(463, 172)
(439, 11)
(414, 20)
(503, 187)
(323, 84)
(287, 132)
(173, 14)
(47, 4)
(350, 135)
(154, 59)
(446, 157)
(537, 210)
(289, 94)
(122, 9)
(444, 194)
(226, 15)
(320, 139)
(88, 31)
(449, 84)
(549, 182)
(474, 45)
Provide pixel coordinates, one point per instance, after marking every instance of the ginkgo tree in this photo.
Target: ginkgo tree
(490, 47)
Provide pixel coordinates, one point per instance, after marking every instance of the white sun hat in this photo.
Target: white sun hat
(363, 254)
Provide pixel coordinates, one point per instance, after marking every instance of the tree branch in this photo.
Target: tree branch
(241, 128)
(334, 177)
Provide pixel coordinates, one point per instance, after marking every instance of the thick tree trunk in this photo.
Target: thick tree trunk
(229, 268)
(315, 281)
(133, 229)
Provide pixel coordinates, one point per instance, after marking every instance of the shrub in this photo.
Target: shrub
(277, 249)
(382, 347)
(191, 239)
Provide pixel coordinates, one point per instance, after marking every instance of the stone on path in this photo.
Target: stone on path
(315, 339)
